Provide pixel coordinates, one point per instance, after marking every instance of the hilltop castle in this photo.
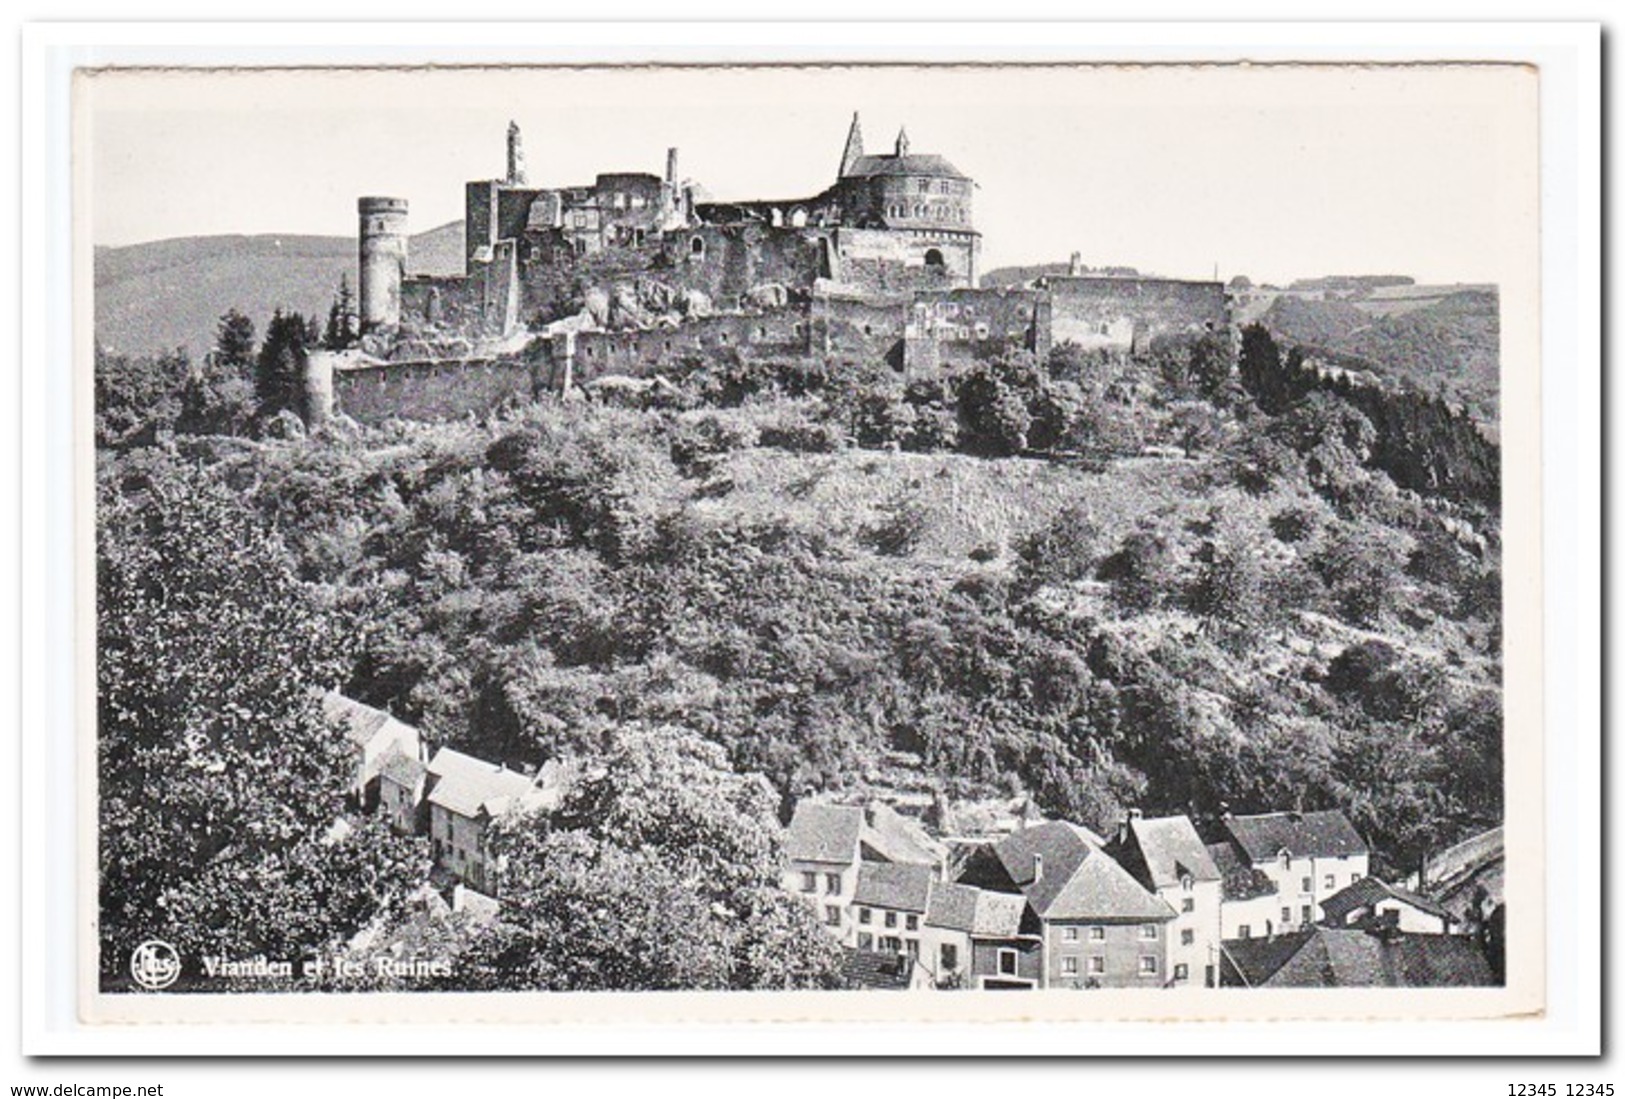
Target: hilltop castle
(637, 271)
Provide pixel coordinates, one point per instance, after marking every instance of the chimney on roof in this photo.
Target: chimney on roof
(1075, 266)
(1038, 868)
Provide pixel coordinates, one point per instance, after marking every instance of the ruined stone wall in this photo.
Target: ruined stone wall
(901, 260)
(444, 302)
(430, 391)
(1127, 313)
(954, 327)
(851, 331)
(780, 334)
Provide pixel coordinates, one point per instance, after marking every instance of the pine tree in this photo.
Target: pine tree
(279, 372)
(341, 323)
(234, 341)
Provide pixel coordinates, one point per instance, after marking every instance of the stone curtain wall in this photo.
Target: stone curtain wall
(1127, 312)
(430, 391)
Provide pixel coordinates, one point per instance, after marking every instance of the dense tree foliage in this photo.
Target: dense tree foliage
(219, 778)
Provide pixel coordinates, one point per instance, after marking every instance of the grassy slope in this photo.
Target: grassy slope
(170, 293)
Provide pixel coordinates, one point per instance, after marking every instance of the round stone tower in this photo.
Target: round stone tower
(383, 260)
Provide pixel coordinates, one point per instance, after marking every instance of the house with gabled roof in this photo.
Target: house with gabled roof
(1373, 903)
(889, 905)
(1098, 927)
(1167, 857)
(402, 785)
(973, 938)
(370, 734)
(1305, 856)
(1346, 957)
(465, 795)
(825, 844)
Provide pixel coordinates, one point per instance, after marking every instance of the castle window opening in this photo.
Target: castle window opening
(696, 248)
(798, 217)
(933, 257)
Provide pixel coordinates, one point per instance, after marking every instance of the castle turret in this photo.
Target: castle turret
(902, 141)
(671, 167)
(383, 260)
(516, 157)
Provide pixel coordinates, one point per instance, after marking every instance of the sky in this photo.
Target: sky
(1274, 172)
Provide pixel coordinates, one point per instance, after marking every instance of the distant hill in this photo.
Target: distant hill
(170, 293)
(1437, 338)
(1018, 276)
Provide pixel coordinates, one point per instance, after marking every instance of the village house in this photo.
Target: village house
(1097, 927)
(826, 844)
(1373, 903)
(889, 905)
(973, 938)
(403, 782)
(465, 795)
(370, 735)
(1346, 957)
(1167, 857)
(1277, 868)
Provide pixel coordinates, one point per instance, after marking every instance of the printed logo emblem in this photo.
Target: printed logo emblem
(155, 965)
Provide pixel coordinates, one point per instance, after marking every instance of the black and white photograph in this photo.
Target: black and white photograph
(898, 541)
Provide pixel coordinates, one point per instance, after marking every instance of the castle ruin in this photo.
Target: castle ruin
(636, 272)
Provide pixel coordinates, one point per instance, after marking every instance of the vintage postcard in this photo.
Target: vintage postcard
(773, 542)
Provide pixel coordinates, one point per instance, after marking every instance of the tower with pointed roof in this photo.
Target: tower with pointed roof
(854, 148)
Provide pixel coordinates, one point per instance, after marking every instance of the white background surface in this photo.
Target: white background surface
(30, 603)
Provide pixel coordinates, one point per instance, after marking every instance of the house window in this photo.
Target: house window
(1182, 972)
(912, 922)
(1331, 881)
(832, 883)
(1187, 883)
(1069, 966)
(1097, 963)
(1187, 937)
(1308, 914)
(1148, 931)
(1308, 885)
(1286, 914)
(832, 915)
(1245, 931)
(891, 919)
(1148, 965)
(865, 915)
(1097, 934)
(1070, 934)
(912, 946)
(1007, 963)
(866, 941)
(809, 882)
(950, 956)
(1188, 904)
(1355, 877)
(890, 944)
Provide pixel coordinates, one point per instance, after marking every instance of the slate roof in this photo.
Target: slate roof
(982, 913)
(1079, 880)
(1242, 882)
(361, 722)
(401, 768)
(823, 833)
(911, 164)
(468, 786)
(1322, 834)
(1369, 891)
(1171, 849)
(1337, 957)
(870, 969)
(904, 887)
(896, 838)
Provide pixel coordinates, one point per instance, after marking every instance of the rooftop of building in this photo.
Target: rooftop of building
(1066, 876)
(1369, 891)
(1328, 957)
(469, 787)
(361, 722)
(1322, 834)
(904, 887)
(1171, 851)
